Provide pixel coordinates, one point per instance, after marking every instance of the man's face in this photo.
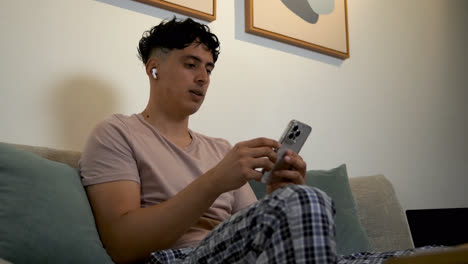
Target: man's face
(183, 78)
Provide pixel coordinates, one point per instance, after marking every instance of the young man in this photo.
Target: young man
(162, 191)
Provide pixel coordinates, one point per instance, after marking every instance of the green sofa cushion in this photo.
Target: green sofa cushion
(45, 216)
(350, 235)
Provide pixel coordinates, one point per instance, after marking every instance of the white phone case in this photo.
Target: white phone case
(293, 138)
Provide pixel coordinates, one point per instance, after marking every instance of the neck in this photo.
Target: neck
(172, 127)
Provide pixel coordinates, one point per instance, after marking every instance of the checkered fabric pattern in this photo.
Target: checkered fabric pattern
(294, 224)
(170, 256)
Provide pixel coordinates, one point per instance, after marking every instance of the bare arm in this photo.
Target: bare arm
(131, 233)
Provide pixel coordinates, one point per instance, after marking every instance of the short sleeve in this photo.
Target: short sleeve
(243, 197)
(108, 155)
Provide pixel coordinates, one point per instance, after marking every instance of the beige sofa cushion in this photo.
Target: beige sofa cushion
(381, 213)
(64, 156)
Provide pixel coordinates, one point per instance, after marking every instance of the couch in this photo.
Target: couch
(369, 218)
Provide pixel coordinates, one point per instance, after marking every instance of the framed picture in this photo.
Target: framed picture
(318, 25)
(202, 9)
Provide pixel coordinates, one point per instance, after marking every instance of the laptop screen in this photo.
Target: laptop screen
(438, 227)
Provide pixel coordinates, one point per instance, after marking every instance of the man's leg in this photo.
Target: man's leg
(294, 224)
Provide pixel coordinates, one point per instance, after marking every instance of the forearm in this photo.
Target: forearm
(137, 233)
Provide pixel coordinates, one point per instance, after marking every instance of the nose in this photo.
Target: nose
(203, 77)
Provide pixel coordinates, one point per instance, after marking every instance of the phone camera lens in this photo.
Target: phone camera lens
(295, 128)
(291, 136)
(298, 133)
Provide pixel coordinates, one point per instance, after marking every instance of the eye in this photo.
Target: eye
(190, 65)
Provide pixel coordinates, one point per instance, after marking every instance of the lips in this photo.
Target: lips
(197, 92)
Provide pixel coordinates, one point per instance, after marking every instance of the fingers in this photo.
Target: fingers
(254, 175)
(257, 153)
(260, 153)
(263, 152)
(293, 172)
(295, 161)
(261, 142)
(254, 167)
(289, 176)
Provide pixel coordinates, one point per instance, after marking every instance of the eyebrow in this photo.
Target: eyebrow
(199, 60)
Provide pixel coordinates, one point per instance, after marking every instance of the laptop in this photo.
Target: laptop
(438, 227)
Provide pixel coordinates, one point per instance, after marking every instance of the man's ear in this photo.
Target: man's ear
(150, 65)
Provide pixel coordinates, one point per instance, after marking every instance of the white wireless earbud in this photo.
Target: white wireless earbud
(155, 73)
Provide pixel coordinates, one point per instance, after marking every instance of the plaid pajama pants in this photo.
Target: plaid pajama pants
(294, 224)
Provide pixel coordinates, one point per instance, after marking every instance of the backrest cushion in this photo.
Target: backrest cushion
(45, 216)
(350, 234)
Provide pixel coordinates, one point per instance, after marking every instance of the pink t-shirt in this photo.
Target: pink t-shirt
(129, 148)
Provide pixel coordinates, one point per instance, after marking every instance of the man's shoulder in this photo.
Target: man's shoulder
(119, 121)
(116, 126)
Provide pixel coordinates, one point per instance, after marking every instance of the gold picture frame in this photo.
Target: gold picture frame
(201, 9)
(327, 34)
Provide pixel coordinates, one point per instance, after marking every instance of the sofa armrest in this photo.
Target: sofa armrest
(380, 213)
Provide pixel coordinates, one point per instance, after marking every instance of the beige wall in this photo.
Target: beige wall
(397, 106)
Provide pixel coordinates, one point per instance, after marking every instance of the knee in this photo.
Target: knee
(304, 193)
(305, 196)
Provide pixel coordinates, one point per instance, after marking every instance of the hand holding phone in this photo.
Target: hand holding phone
(293, 138)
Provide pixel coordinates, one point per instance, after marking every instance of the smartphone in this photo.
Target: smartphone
(293, 138)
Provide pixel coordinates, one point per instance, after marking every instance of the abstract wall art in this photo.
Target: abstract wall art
(202, 9)
(318, 25)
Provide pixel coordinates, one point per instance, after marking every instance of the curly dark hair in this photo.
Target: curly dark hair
(176, 34)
